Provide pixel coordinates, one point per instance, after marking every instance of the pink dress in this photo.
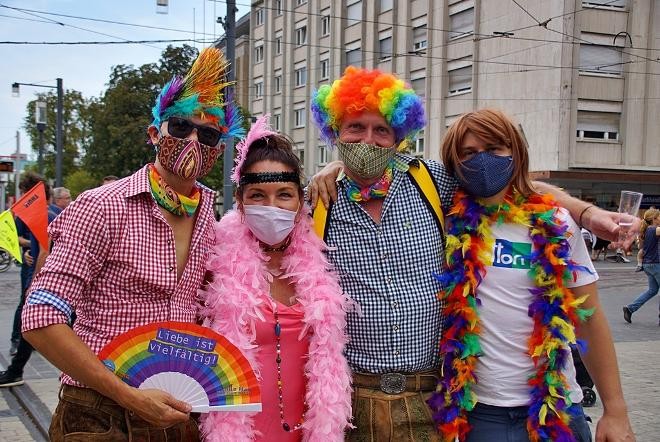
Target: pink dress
(294, 356)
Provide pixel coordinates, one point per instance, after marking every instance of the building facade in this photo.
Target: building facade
(582, 77)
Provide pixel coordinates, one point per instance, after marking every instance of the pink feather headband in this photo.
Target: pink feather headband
(260, 129)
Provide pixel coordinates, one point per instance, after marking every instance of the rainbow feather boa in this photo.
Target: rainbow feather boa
(555, 312)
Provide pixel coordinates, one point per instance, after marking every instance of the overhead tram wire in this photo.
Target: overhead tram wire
(74, 26)
(477, 36)
(408, 54)
(159, 28)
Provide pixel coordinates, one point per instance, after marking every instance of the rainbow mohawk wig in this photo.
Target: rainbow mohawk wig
(361, 90)
(199, 94)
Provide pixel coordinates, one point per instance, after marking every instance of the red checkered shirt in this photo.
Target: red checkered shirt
(113, 262)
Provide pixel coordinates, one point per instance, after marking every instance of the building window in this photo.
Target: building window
(300, 152)
(301, 76)
(278, 44)
(353, 54)
(276, 121)
(598, 126)
(259, 17)
(299, 117)
(278, 7)
(301, 35)
(419, 38)
(325, 69)
(386, 5)
(461, 23)
(459, 74)
(258, 88)
(385, 47)
(323, 155)
(277, 82)
(418, 148)
(354, 13)
(600, 59)
(418, 82)
(259, 53)
(325, 24)
(300, 2)
(609, 4)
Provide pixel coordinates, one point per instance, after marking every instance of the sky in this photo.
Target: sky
(86, 68)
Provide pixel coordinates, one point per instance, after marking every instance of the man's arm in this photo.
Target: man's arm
(61, 346)
(23, 242)
(600, 360)
(602, 223)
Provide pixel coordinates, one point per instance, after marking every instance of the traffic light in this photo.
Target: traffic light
(7, 166)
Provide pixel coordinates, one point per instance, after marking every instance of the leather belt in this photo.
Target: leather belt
(395, 383)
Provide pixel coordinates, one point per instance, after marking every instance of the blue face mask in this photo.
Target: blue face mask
(486, 174)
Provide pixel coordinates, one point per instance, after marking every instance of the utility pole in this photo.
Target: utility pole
(17, 164)
(228, 160)
(59, 134)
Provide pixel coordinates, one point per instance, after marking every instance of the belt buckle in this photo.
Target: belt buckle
(393, 383)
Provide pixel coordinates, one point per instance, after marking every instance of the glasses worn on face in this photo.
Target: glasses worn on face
(181, 128)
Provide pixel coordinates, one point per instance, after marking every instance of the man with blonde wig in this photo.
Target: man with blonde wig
(384, 227)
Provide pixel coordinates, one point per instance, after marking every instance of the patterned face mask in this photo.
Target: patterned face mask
(486, 174)
(186, 158)
(365, 160)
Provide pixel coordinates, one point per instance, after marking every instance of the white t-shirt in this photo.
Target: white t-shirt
(505, 366)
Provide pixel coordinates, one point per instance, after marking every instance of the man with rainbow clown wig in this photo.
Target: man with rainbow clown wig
(131, 253)
(380, 212)
(385, 244)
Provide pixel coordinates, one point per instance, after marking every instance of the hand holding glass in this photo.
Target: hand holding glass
(628, 208)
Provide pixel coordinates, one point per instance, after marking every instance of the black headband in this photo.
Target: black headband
(269, 177)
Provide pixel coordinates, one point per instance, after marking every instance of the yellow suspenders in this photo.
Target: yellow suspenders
(423, 182)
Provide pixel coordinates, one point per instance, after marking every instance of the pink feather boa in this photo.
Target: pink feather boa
(232, 300)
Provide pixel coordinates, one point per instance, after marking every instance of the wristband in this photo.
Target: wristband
(582, 214)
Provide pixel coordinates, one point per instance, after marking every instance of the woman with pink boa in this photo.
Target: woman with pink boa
(273, 296)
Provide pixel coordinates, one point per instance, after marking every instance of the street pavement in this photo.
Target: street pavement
(637, 346)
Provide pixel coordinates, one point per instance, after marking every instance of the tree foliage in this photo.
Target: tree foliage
(79, 181)
(119, 119)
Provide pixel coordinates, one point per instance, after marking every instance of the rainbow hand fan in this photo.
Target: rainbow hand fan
(192, 363)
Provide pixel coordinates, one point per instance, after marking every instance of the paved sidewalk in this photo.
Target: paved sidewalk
(637, 346)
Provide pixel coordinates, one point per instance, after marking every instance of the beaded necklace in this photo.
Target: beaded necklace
(169, 199)
(378, 189)
(278, 360)
(555, 312)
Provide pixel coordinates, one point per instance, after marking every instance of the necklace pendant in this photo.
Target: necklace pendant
(278, 329)
(286, 427)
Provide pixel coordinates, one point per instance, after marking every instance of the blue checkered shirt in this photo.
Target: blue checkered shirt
(387, 269)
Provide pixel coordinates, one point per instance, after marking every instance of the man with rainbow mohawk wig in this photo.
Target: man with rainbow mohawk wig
(381, 213)
(132, 253)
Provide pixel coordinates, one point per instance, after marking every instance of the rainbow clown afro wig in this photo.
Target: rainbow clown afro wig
(360, 90)
(200, 94)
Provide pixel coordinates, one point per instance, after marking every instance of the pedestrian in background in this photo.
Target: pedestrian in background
(649, 233)
(61, 199)
(35, 256)
(109, 179)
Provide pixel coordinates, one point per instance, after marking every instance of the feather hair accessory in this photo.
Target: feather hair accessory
(200, 93)
(260, 129)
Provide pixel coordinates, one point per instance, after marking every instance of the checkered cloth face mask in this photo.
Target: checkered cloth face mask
(365, 160)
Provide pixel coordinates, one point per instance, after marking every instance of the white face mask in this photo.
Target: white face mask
(271, 225)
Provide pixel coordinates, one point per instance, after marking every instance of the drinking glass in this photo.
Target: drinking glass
(628, 208)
